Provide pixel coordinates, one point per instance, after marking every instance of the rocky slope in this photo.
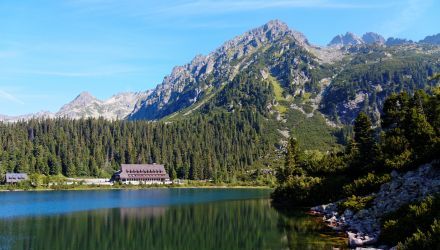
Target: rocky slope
(116, 107)
(348, 39)
(38, 115)
(363, 227)
(373, 38)
(189, 83)
(391, 41)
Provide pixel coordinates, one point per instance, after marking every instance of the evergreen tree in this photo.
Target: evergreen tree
(364, 142)
(173, 174)
(291, 162)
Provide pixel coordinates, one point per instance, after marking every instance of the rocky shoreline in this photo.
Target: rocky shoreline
(363, 227)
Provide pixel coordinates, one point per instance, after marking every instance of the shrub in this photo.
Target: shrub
(296, 191)
(423, 240)
(317, 163)
(366, 185)
(299, 191)
(355, 203)
(419, 215)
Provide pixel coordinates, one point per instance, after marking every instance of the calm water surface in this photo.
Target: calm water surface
(154, 219)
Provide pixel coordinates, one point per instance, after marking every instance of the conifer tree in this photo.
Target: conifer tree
(365, 142)
(291, 162)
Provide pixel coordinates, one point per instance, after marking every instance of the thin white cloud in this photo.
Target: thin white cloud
(209, 7)
(76, 74)
(406, 17)
(164, 10)
(10, 97)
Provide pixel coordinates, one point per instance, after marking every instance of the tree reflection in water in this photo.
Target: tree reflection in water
(241, 224)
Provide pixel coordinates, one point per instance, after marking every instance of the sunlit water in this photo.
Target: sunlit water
(154, 219)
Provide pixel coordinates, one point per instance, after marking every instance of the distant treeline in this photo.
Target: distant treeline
(201, 147)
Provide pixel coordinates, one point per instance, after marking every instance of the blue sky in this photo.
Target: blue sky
(51, 50)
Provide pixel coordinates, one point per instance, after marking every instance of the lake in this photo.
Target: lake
(155, 219)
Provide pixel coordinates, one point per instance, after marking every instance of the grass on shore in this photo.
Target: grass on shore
(79, 186)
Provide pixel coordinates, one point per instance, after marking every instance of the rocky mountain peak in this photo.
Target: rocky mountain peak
(39, 115)
(192, 79)
(270, 32)
(275, 25)
(116, 107)
(391, 41)
(434, 39)
(346, 40)
(84, 98)
(373, 38)
(279, 28)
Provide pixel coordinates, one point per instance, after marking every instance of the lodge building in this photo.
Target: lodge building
(142, 173)
(12, 178)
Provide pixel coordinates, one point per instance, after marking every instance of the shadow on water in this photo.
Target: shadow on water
(304, 231)
(237, 224)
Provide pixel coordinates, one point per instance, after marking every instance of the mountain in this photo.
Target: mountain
(346, 40)
(275, 71)
(38, 115)
(350, 39)
(391, 41)
(334, 82)
(434, 39)
(373, 38)
(189, 83)
(116, 107)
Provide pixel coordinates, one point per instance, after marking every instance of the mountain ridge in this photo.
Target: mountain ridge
(85, 105)
(285, 55)
(219, 63)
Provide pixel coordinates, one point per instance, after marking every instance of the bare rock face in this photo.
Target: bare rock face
(434, 39)
(38, 115)
(348, 39)
(397, 41)
(115, 108)
(406, 188)
(373, 38)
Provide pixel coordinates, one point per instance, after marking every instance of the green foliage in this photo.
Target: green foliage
(198, 147)
(411, 219)
(311, 132)
(429, 239)
(36, 179)
(356, 203)
(363, 148)
(366, 184)
(295, 188)
(316, 163)
(173, 174)
(291, 162)
(297, 191)
(411, 135)
(409, 138)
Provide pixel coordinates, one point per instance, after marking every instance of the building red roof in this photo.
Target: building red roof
(143, 171)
